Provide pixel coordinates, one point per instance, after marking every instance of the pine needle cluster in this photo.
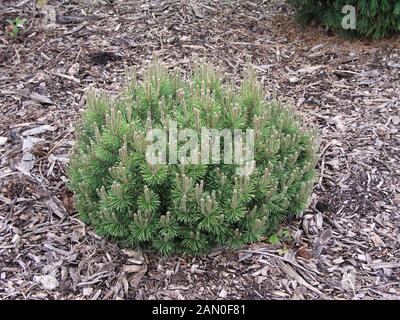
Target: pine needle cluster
(186, 208)
(374, 18)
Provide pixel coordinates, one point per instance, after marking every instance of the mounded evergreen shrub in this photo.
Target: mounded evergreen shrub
(189, 208)
(374, 18)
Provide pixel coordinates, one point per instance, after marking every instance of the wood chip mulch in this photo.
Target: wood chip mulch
(346, 246)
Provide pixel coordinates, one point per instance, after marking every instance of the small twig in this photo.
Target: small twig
(65, 76)
(76, 29)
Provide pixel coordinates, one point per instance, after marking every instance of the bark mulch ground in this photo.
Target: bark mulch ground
(346, 246)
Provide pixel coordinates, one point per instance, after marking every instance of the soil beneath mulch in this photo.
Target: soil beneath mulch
(346, 246)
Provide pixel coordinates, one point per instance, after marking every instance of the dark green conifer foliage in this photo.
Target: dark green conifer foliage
(188, 208)
(375, 18)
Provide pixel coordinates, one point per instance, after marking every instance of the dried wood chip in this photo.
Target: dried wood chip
(325, 236)
(396, 120)
(48, 282)
(384, 265)
(38, 130)
(39, 98)
(134, 281)
(132, 268)
(308, 69)
(55, 208)
(223, 294)
(3, 140)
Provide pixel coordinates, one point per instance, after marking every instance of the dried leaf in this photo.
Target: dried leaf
(305, 253)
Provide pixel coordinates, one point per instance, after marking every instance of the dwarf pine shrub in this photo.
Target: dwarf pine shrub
(179, 204)
(374, 18)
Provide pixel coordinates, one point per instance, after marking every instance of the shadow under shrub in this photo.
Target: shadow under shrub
(374, 18)
(188, 208)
